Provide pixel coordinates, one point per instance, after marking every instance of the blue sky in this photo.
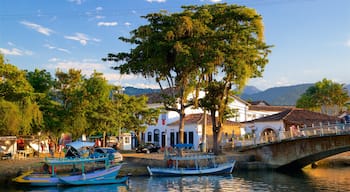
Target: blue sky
(311, 38)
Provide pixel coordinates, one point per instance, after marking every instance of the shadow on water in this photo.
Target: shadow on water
(90, 188)
(242, 181)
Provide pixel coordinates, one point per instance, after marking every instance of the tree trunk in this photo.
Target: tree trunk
(216, 148)
(181, 129)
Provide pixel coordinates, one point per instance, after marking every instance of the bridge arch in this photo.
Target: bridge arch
(296, 153)
(268, 134)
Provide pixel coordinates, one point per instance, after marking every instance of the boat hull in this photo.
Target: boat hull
(103, 176)
(225, 168)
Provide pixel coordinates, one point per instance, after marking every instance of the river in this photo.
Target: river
(319, 179)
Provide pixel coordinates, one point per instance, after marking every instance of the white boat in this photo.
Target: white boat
(73, 171)
(192, 165)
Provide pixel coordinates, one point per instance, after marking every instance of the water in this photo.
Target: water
(320, 179)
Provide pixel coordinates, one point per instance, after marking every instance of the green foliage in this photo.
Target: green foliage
(10, 118)
(18, 100)
(40, 80)
(77, 105)
(208, 47)
(325, 96)
(13, 84)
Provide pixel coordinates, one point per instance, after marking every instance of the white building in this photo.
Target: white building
(287, 123)
(166, 131)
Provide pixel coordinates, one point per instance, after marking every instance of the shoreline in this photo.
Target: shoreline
(136, 164)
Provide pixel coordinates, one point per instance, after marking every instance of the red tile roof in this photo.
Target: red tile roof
(299, 116)
(269, 108)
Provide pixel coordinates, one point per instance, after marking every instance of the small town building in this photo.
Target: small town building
(290, 122)
(165, 132)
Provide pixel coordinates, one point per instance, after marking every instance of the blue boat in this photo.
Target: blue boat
(73, 171)
(192, 165)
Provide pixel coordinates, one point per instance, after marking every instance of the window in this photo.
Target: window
(156, 135)
(190, 137)
(149, 136)
(127, 140)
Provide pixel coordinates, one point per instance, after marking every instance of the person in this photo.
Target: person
(51, 148)
(42, 146)
(20, 144)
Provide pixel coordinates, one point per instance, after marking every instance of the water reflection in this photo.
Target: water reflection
(335, 179)
(90, 188)
(327, 179)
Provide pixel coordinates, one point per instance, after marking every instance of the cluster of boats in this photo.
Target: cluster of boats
(94, 170)
(75, 169)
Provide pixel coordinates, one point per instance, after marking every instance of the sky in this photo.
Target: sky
(311, 38)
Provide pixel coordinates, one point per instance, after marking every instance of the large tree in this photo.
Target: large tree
(70, 93)
(15, 88)
(166, 50)
(325, 96)
(209, 47)
(239, 53)
(133, 114)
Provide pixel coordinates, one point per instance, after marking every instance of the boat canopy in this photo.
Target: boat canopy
(80, 144)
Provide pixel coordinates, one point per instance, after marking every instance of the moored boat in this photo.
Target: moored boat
(73, 171)
(192, 165)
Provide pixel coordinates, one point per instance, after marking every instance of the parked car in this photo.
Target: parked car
(112, 153)
(4, 154)
(147, 148)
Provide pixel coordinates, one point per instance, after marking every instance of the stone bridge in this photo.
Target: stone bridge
(296, 153)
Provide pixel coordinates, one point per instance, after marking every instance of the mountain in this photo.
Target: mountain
(250, 90)
(282, 96)
(138, 91)
(287, 95)
(348, 88)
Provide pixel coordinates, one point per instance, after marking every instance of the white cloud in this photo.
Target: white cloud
(107, 24)
(99, 9)
(100, 17)
(82, 38)
(78, 2)
(157, 1)
(56, 48)
(213, 1)
(127, 24)
(347, 43)
(117, 77)
(130, 80)
(87, 68)
(53, 59)
(38, 28)
(15, 51)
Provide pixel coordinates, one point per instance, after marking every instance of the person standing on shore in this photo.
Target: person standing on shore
(51, 148)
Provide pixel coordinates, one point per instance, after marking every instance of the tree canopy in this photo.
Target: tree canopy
(325, 96)
(208, 47)
(32, 102)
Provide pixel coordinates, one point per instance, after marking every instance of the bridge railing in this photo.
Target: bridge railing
(297, 133)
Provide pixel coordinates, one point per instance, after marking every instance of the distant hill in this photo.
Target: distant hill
(287, 95)
(348, 88)
(138, 91)
(250, 90)
(282, 96)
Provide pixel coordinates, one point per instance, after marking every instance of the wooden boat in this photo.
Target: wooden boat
(192, 165)
(93, 181)
(64, 171)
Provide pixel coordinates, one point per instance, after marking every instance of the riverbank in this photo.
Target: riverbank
(136, 164)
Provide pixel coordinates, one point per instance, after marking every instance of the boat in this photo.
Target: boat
(192, 165)
(73, 171)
